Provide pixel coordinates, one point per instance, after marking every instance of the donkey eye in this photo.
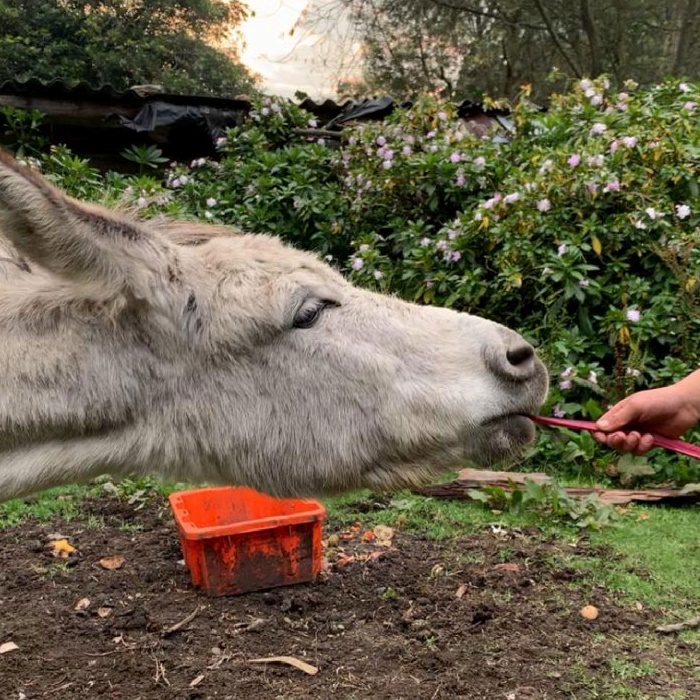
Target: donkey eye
(308, 315)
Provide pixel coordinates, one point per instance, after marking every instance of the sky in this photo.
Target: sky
(310, 59)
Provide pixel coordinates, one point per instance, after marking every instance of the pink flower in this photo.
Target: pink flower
(561, 250)
(633, 315)
(690, 106)
(511, 198)
(455, 256)
(566, 384)
(386, 164)
(567, 372)
(544, 205)
(480, 161)
(460, 178)
(682, 211)
(612, 186)
(378, 274)
(558, 413)
(629, 141)
(574, 160)
(141, 202)
(211, 202)
(357, 263)
(455, 158)
(598, 128)
(381, 141)
(614, 145)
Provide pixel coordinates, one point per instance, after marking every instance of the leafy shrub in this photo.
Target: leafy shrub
(580, 229)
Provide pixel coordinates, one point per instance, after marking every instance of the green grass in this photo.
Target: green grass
(655, 556)
(61, 503)
(663, 550)
(65, 502)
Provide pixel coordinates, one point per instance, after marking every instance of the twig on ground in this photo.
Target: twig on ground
(680, 626)
(179, 625)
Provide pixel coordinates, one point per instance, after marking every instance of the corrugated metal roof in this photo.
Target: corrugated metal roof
(84, 91)
(327, 110)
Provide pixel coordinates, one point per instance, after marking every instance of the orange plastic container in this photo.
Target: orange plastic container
(237, 540)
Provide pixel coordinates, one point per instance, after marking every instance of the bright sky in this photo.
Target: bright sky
(287, 63)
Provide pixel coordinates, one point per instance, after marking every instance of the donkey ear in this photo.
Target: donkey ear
(71, 238)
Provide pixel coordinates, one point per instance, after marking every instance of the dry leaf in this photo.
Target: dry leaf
(62, 548)
(590, 612)
(383, 535)
(368, 536)
(461, 591)
(8, 647)
(437, 570)
(343, 560)
(197, 681)
(56, 536)
(82, 604)
(104, 612)
(508, 566)
(290, 660)
(644, 515)
(110, 563)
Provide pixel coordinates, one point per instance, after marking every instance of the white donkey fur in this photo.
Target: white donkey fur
(180, 350)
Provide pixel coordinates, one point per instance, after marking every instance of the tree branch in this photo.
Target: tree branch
(591, 33)
(497, 16)
(555, 38)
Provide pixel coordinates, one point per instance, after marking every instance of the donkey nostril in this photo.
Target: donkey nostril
(520, 354)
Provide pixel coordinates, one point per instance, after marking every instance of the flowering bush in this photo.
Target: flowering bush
(580, 229)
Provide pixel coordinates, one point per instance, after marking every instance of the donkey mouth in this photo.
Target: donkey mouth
(515, 430)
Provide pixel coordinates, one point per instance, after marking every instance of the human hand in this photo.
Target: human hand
(668, 411)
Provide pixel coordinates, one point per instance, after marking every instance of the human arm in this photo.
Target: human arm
(668, 411)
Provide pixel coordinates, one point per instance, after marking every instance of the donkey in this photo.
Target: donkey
(199, 354)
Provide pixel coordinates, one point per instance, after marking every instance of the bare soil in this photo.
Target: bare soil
(486, 616)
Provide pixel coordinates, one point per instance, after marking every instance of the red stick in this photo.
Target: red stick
(679, 446)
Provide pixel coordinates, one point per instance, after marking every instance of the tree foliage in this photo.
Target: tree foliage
(123, 43)
(467, 47)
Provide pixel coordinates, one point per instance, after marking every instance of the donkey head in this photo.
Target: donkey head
(203, 355)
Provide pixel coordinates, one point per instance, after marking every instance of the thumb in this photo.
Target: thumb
(620, 415)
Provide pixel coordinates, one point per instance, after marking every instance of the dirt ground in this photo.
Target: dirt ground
(486, 616)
